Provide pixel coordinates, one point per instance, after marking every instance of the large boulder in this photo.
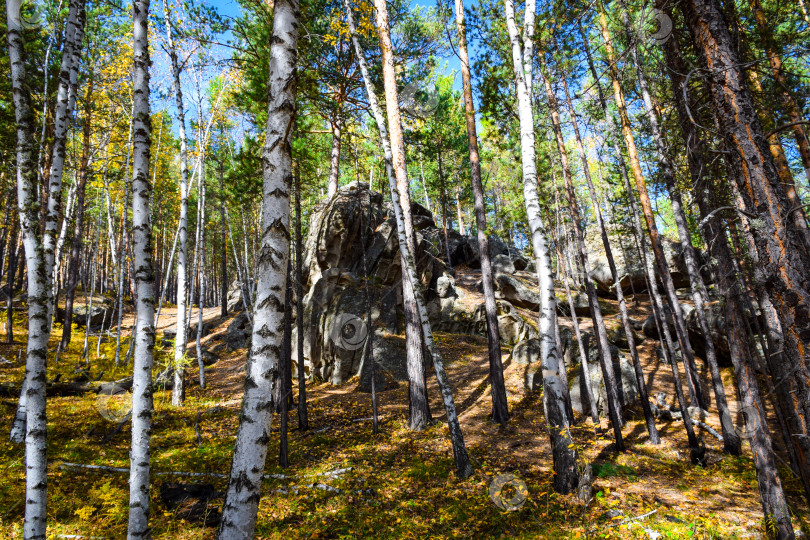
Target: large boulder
(623, 370)
(334, 311)
(496, 248)
(513, 327)
(629, 263)
(353, 235)
(519, 291)
(238, 333)
(235, 294)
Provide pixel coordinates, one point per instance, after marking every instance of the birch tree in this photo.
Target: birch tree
(250, 450)
(28, 203)
(144, 336)
(180, 339)
(563, 450)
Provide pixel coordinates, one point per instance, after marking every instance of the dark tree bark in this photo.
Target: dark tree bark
(697, 165)
(780, 244)
(500, 410)
(78, 227)
(628, 327)
(693, 382)
(696, 446)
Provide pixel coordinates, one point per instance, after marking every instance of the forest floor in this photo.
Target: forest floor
(400, 484)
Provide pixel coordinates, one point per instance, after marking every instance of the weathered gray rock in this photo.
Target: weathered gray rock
(238, 334)
(527, 352)
(496, 247)
(503, 264)
(622, 367)
(445, 286)
(628, 262)
(235, 297)
(103, 310)
(513, 327)
(516, 290)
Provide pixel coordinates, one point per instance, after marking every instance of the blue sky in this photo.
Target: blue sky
(231, 8)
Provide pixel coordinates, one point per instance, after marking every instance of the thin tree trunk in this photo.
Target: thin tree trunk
(791, 107)
(144, 281)
(78, 228)
(178, 389)
(628, 327)
(334, 161)
(244, 487)
(563, 450)
(368, 346)
(500, 410)
(303, 420)
(697, 165)
(693, 382)
(583, 356)
(223, 254)
(783, 259)
(462, 461)
(602, 343)
(201, 304)
(443, 199)
(424, 184)
(122, 254)
(414, 342)
(697, 448)
(65, 102)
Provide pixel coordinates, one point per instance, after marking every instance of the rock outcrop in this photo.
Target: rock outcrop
(353, 235)
(629, 263)
(622, 367)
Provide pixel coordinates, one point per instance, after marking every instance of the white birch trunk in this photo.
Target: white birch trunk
(38, 287)
(182, 245)
(564, 454)
(250, 450)
(65, 102)
(144, 335)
